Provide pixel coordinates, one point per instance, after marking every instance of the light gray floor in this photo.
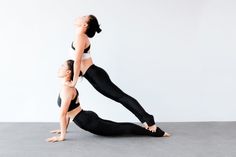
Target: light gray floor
(195, 139)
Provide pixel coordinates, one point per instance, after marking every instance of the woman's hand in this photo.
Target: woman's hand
(56, 131)
(55, 139)
(70, 84)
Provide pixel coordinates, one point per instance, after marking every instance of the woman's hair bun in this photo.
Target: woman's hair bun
(98, 30)
(93, 26)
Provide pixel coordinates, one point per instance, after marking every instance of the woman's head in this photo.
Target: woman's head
(90, 23)
(93, 26)
(67, 69)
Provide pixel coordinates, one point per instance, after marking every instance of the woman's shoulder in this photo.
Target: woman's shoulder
(81, 40)
(67, 92)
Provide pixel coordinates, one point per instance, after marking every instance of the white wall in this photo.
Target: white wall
(177, 58)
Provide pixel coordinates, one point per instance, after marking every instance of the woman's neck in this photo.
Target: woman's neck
(79, 30)
(64, 80)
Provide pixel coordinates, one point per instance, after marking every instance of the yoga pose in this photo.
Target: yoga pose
(86, 27)
(69, 104)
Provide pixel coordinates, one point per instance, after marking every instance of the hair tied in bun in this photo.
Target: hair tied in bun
(98, 29)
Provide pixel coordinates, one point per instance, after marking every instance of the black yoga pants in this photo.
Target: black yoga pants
(90, 121)
(100, 80)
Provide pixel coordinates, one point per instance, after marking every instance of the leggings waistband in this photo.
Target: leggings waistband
(87, 71)
(79, 114)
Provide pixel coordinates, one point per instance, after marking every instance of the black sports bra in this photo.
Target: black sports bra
(85, 50)
(73, 103)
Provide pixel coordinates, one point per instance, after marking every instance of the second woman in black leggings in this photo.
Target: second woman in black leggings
(86, 27)
(90, 121)
(69, 104)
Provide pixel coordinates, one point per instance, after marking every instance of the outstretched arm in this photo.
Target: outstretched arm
(66, 99)
(58, 131)
(63, 125)
(67, 121)
(79, 50)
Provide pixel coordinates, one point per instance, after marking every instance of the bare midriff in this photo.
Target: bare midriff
(74, 112)
(85, 64)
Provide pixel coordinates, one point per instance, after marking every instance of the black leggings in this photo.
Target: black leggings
(100, 80)
(90, 121)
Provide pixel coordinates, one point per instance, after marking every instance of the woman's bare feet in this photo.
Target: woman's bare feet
(145, 125)
(166, 134)
(152, 128)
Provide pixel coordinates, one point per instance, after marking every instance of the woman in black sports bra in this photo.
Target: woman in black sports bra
(69, 104)
(86, 27)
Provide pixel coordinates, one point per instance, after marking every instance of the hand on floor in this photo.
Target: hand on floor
(58, 131)
(55, 139)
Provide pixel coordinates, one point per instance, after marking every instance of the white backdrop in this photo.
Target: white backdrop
(177, 58)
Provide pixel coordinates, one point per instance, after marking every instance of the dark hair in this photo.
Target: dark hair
(93, 26)
(70, 64)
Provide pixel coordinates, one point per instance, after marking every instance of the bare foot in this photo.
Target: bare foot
(145, 125)
(166, 134)
(152, 128)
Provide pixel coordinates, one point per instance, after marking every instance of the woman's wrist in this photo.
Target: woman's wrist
(61, 138)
